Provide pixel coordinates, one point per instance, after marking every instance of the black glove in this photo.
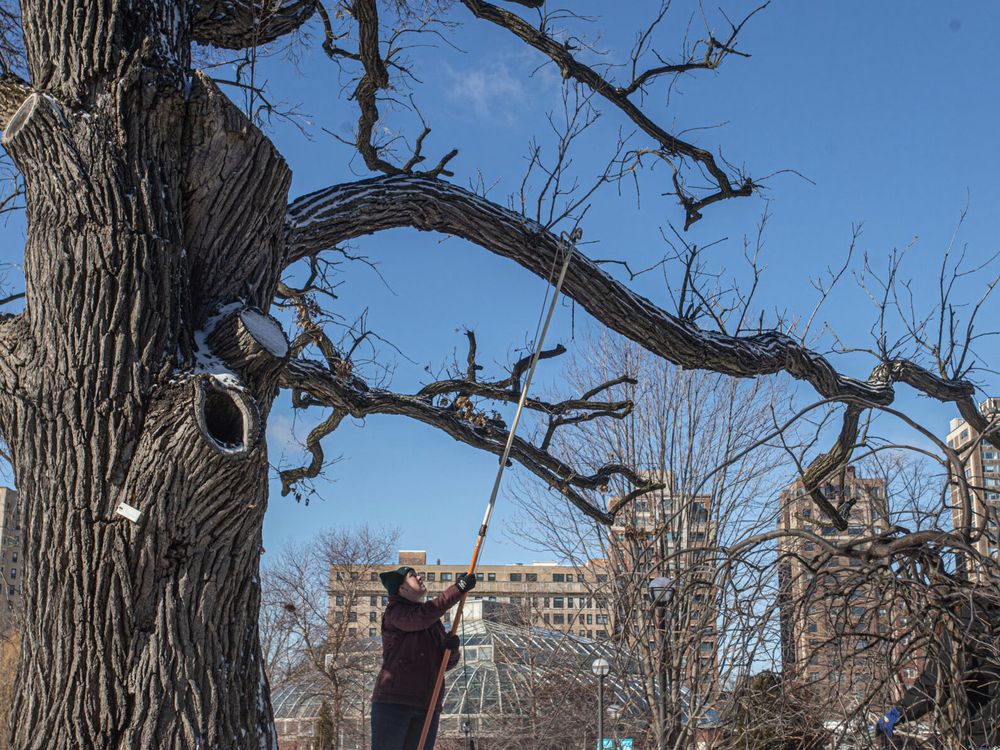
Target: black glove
(466, 582)
(452, 642)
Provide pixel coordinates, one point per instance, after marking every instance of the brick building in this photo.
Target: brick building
(835, 624)
(982, 471)
(560, 597)
(668, 534)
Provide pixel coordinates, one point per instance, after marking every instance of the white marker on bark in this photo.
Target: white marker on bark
(126, 510)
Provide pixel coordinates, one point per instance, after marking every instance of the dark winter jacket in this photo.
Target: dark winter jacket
(980, 626)
(412, 647)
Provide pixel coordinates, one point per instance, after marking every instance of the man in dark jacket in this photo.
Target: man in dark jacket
(413, 643)
(979, 624)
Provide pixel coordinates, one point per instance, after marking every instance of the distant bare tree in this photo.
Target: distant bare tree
(300, 633)
(690, 431)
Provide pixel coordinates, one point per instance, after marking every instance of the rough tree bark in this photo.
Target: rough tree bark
(151, 202)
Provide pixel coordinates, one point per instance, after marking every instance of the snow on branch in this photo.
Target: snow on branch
(335, 215)
(241, 24)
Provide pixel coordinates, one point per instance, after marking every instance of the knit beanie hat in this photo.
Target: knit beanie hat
(393, 579)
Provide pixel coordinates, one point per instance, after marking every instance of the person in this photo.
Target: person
(979, 622)
(413, 644)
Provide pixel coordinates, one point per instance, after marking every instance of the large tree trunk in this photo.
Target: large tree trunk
(151, 203)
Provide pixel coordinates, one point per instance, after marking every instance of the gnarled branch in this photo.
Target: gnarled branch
(340, 213)
(668, 144)
(13, 91)
(241, 24)
(349, 394)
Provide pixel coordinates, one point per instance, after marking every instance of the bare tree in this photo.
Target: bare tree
(688, 429)
(308, 629)
(136, 384)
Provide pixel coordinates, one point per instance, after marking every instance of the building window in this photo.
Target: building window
(590, 621)
(557, 602)
(373, 577)
(811, 627)
(600, 619)
(581, 602)
(489, 577)
(479, 577)
(854, 530)
(602, 578)
(558, 578)
(13, 556)
(569, 602)
(444, 577)
(515, 578)
(339, 601)
(602, 634)
(352, 616)
(531, 577)
(558, 619)
(385, 600)
(372, 617)
(371, 634)
(545, 619)
(430, 577)
(580, 578)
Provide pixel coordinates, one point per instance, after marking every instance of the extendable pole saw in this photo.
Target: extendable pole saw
(496, 486)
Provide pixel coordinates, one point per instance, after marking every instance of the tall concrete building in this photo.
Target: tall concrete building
(671, 535)
(982, 472)
(835, 625)
(557, 597)
(10, 559)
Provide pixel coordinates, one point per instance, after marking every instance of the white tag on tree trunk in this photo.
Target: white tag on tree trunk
(132, 514)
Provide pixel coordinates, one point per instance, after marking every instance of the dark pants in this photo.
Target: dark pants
(397, 727)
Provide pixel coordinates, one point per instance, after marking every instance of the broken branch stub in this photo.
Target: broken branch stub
(253, 344)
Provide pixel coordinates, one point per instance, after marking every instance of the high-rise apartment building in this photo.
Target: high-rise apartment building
(835, 624)
(10, 558)
(982, 473)
(558, 597)
(668, 534)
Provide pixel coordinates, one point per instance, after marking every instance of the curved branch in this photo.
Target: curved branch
(349, 394)
(13, 91)
(241, 24)
(340, 213)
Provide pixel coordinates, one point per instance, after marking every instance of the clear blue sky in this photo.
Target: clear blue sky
(889, 108)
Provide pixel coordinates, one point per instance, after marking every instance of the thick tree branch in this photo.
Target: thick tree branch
(341, 213)
(349, 394)
(241, 24)
(669, 145)
(13, 92)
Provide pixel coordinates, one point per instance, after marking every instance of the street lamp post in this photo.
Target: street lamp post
(661, 593)
(614, 713)
(600, 667)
